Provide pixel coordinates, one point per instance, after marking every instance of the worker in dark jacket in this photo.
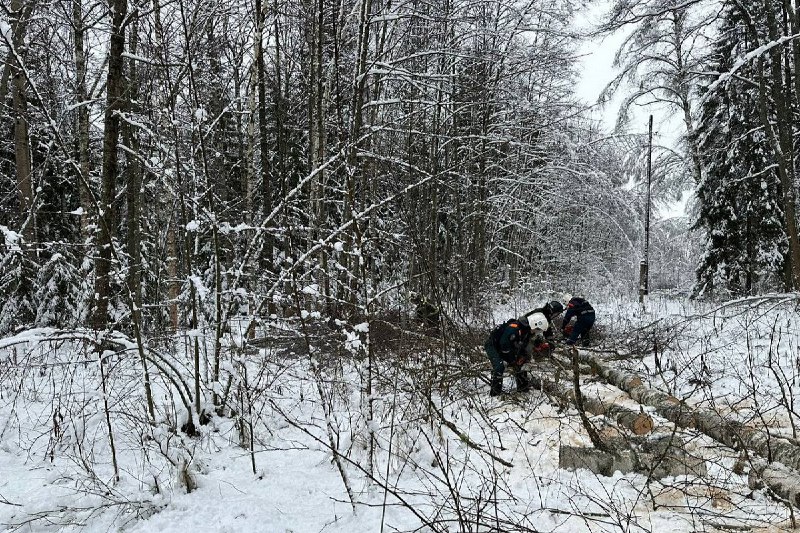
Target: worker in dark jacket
(584, 313)
(550, 310)
(507, 346)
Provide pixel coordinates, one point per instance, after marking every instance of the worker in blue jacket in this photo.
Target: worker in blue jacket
(584, 314)
(507, 346)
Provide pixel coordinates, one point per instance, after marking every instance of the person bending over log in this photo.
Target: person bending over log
(511, 345)
(584, 315)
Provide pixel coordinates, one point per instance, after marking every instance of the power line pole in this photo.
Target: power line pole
(644, 266)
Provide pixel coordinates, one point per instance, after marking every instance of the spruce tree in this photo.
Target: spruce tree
(739, 195)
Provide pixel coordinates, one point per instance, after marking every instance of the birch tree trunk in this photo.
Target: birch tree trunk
(639, 423)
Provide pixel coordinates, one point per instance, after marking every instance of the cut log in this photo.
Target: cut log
(674, 461)
(780, 469)
(732, 433)
(666, 456)
(597, 461)
(637, 422)
(781, 480)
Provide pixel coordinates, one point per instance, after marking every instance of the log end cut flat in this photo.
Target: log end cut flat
(642, 424)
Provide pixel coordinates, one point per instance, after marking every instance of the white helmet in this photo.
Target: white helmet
(538, 321)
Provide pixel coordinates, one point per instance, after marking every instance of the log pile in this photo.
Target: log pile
(775, 461)
(657, 457)
(732, 433)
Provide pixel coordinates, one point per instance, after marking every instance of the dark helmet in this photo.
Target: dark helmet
(556, 307)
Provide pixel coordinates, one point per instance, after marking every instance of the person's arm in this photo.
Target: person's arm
(505, 347)
(567, 317)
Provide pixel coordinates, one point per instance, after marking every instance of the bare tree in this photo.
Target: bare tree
(660, 60)
(114, 104)
(20, 10)
(82, 111)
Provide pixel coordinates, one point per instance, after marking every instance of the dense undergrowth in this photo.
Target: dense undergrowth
(393, 418)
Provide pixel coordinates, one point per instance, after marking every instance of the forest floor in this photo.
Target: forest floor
(426, 450)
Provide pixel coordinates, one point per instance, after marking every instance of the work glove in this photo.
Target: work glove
(542, 350)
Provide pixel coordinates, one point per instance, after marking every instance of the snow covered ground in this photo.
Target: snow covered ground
(427, 450)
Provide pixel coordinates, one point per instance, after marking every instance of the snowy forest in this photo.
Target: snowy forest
(252, 251)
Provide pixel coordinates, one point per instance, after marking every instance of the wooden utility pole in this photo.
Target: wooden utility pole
(644, 266)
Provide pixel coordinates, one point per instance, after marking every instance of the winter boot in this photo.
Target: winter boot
(497, 385)
(523, 381)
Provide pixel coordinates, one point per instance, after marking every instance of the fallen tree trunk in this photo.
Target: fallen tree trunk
(656, 456)
(782, 481)
(732, 433)
(639, 423)
(779, 452)
(653, 465)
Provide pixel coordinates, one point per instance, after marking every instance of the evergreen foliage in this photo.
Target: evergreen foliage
(17, 307)
(740, 209)
(58, 293)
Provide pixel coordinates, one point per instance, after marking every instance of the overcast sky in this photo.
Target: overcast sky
(596, 64)
(597, 58)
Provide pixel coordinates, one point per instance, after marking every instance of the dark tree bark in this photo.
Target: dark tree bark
(133, 193)
(263, 144)
(22, 148)
(82, 97)
(781, 142)
(111, 122)
(784, 147)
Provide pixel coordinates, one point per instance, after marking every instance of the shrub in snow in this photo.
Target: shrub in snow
(17, 306)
